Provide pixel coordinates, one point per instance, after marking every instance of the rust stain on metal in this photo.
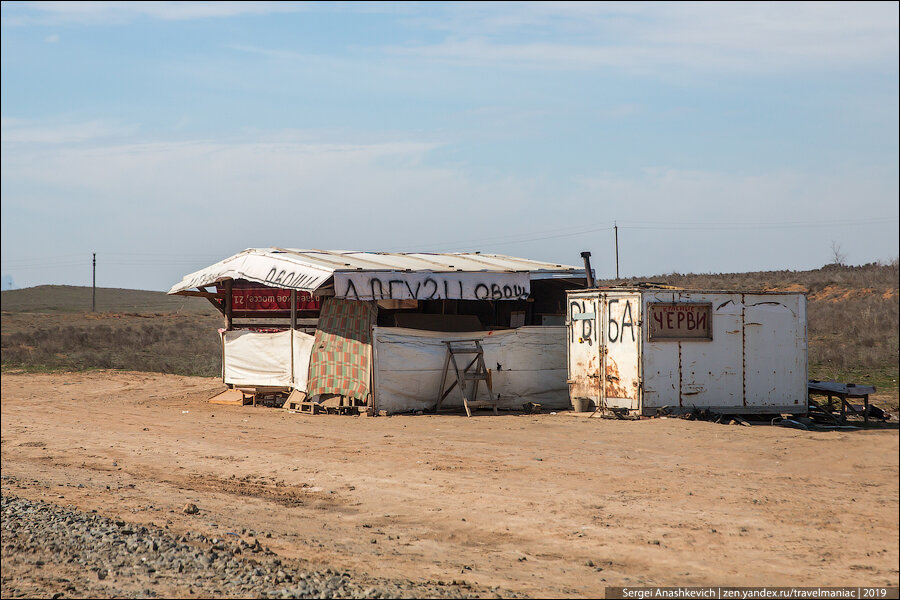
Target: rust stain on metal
(585, 383)
(680, 383)
(743, 351)
(612, 381)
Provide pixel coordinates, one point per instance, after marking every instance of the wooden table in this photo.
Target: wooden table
(833, 389)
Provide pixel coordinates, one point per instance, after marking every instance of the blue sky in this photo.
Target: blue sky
(720, 137)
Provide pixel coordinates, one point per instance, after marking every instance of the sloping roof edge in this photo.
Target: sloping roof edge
(308, 270)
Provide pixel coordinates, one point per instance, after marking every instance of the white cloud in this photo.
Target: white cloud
(106, 13)
(212, 196)
(52, 39)
(191, 171)
(197, 197)
(745, 36)
(669, 196)
(19, 131)
(749, 36)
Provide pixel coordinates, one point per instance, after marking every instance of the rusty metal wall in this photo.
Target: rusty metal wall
(697, 373)
(775, 351)
(583, 346)
(756, 361)
(604, 340)
(622, 359)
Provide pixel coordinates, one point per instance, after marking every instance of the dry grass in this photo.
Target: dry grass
(183, 345)
(49, 328)
(853, 324)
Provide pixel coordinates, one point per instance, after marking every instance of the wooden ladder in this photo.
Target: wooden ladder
(476, 374)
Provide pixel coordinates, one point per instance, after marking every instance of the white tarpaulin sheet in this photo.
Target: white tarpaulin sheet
(393, 285)
(303, 344)
(269, 268)
(383, 276)
(527, 364)
(255, 358)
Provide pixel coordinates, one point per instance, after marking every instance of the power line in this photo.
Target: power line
(510, 239)
(45, 266)
(144, 259)
(711, 226)
(534, 239)
(772, 225)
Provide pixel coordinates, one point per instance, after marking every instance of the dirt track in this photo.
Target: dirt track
(522, 502)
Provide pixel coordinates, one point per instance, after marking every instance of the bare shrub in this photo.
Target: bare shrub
(837, 255)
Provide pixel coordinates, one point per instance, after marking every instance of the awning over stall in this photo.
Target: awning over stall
(384, 275)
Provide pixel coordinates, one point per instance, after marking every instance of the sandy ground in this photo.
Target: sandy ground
(527, 503)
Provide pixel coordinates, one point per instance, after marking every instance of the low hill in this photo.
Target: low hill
(56, 299)
(829, 282)
(854, 315)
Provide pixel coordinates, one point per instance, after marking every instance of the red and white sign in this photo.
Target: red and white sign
(267, 299)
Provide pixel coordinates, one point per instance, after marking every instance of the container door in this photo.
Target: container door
(622, 337)
(775, 352)
(584, 352)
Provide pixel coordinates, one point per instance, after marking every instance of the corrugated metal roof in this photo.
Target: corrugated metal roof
(308, 270)
(344, 260)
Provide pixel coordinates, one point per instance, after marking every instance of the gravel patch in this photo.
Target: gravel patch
(53, 551)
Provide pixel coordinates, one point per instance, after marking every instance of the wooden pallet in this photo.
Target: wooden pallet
(336, 405)
(230, 397)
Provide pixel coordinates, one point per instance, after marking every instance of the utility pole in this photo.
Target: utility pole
(94, 287)
(616, 229)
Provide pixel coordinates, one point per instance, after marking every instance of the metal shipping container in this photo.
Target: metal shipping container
(646, 349)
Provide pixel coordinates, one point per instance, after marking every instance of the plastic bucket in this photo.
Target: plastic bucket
(581, 404)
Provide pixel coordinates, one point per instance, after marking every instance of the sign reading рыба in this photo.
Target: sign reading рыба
(680, 320)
